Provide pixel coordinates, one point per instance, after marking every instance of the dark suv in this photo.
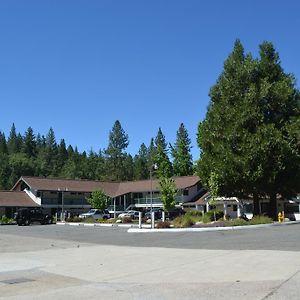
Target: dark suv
(26, 216)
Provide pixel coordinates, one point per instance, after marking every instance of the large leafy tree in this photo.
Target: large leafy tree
(182, 158)
(116, 155)
(168, 193)
(249, 136)
(98, 199)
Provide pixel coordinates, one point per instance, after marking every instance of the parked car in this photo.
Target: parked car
(175, 212)
(157, 213)
(26, 216)
(133, 214)
(96, 214)
(119, 210)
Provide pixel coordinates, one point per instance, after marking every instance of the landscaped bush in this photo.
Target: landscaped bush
(206, 218)
(89, 220)
(212, 214)
(194, 213)
(6, 220)
(162, 224)
(236, 222)
(126, 220)
(260, 220)
(184, 221)
(74, 219)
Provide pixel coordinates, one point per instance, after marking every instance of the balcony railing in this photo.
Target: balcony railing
(157, 200)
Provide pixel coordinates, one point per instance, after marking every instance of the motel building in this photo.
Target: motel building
(57, 195)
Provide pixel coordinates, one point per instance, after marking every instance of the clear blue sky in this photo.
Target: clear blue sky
(80, 65)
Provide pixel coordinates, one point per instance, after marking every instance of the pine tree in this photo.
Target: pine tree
(161, 156)
(182, 163)
(14, 141)
(3, 144)
(29, 144)
(116, 155)
(141, 165)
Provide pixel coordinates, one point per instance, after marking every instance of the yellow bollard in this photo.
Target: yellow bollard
(280, 217)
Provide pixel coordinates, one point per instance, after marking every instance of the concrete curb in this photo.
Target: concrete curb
(205, 229)
(101, 225)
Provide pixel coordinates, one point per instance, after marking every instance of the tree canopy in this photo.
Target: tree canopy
(250, 135)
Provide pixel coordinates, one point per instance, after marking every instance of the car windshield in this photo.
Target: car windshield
(92, 211)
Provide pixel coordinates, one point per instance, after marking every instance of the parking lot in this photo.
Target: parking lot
(64, 261)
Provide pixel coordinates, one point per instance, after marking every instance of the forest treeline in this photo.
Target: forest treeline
(33, 154)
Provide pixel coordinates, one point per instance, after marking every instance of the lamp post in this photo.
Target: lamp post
(62, 203)
(153, 167)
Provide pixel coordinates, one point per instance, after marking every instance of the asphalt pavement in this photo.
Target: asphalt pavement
(61, 262)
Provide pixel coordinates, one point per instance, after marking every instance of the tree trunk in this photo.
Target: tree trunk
(273, 206)
(256, 210)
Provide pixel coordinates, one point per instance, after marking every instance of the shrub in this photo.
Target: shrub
(126, 220)
(260, 220)
(206, 218)
(89, 220)
(236, 222)
(74, 219)
(184, 221)
(212, 213)
(194, 213)
(6, 220)
(162, 224)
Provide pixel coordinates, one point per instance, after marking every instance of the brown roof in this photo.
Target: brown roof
(15, 199)
(112, 189)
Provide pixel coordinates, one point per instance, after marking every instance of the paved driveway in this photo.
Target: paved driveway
(95, 263)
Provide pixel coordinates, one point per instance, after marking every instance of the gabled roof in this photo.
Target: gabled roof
(16, 199)
(53, 184)
(112, 189)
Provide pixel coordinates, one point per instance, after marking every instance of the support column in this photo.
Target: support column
(140, 220)
(238, 209)
(225, 210)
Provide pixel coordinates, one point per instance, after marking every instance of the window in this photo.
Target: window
(234, 207)
(73, 193)
(185, 192)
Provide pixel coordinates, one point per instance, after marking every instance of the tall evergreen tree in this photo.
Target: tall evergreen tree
(182, 163)
(29, 144)
(116, 155)
(4, 171)
(3, 144)
(161, 156)
(14, 141)
(141, 166)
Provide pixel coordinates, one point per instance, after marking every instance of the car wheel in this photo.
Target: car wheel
(27, 222)
(105, 218)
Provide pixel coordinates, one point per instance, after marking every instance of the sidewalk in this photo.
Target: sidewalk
(146, 228)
